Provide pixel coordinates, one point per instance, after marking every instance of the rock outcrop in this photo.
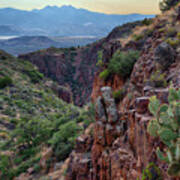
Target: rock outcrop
(122, 148)
(164, 54)
(76, 68)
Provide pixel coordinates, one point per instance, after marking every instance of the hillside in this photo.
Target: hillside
(70, 21)
(37, 129)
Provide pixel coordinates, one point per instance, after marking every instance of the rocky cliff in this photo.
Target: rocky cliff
(75, 68)
(121, 148)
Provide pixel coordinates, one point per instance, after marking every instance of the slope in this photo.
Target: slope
(37, 129)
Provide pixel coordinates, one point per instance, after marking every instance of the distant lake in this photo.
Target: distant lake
(7, 37)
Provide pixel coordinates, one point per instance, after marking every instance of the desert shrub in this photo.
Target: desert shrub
(25, 165)
(149, 32)
(31, 132)
(171, 32)
(173, 42)
(64, 139)
(34, 75)
(138, 37)
(152, 172)
(178, 35)
(37, 168)
(5, 163)
(122, 63)
(166, 126)
(158, 79)
(5, 81)
(105, 74)
(165, 5)
(87, 115)
(161, 30)
(65, 172)
(9, 111)
(100, 59)
(147, 22)
(119, 95)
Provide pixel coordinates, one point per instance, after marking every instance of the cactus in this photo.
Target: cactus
(166, 126)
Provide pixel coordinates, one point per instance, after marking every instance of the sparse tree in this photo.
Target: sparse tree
(167, 4)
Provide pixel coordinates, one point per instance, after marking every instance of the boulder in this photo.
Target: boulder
(164, 55)
(110, 104)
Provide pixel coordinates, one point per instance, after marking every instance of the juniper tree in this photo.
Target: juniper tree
(167, 4)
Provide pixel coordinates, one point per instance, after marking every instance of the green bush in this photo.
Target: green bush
(178, 35)
(4, 167)
(149, 32)
(119, 95)
(171, 32)
(165, 5)
(25, 165)
(5, 81)
(100, 59)
(37, 168)
(147, 22)
(166, 126)
(138, 37)
(34, 75)
(158, 79)
(122, 63)
(31, 132)
(162, 30)
(87, 116)
(152, 172)
(173, 42)
(9, 111)
(64, 139)
(105, 74)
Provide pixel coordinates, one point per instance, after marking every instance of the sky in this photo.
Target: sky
(105, 6)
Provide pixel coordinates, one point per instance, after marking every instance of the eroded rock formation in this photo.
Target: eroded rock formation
(76, 68)
(122, 147)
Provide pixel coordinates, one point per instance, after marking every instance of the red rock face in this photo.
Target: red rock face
(75, 68)
(122, 147)
(115, 82)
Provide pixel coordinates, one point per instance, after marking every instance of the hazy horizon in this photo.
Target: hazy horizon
(102, 6)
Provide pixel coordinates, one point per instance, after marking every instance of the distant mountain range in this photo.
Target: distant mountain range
(61, 21)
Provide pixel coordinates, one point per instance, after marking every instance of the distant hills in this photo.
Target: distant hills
(26, 44)
(61, 21)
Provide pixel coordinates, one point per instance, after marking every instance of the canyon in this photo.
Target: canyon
(117, 144)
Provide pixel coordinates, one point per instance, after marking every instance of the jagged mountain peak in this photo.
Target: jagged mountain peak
(70, 21)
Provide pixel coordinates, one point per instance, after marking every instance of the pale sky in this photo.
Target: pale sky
(105, 6)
